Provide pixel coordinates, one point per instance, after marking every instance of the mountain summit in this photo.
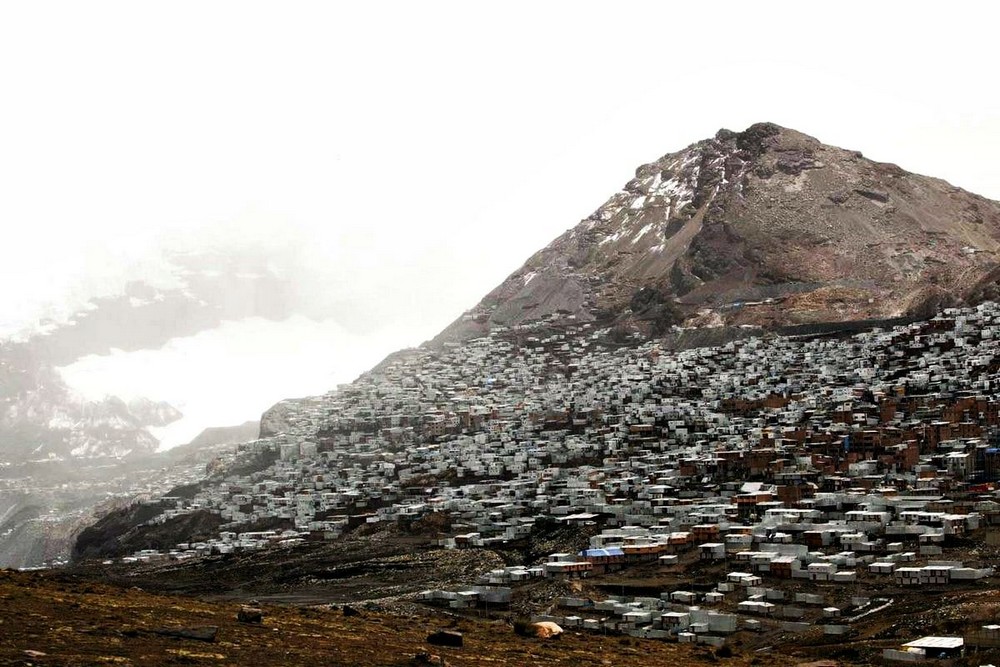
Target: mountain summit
(767, 227)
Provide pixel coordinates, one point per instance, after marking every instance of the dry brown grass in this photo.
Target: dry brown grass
(73, 622)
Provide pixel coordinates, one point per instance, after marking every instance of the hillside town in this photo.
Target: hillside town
(835, 459)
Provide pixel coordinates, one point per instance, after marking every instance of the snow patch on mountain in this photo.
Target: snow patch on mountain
(232, 373)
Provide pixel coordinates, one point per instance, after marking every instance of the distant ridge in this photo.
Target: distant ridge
(226, 435)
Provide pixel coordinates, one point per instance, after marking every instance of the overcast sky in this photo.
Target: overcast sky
(421, 151)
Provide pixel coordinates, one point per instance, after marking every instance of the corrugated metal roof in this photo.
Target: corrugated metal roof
(936, 642)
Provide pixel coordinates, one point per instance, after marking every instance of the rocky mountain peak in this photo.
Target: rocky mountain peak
(768, 228)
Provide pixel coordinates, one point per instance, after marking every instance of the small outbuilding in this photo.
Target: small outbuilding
(938, 647)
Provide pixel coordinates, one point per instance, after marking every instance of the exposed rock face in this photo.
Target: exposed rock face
(765, 227)
(275, 420)
(123, 532)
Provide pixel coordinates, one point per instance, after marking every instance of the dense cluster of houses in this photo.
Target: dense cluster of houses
(794, 457)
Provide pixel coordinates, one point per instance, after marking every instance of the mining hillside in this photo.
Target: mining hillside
(824, 485)
(767, 227)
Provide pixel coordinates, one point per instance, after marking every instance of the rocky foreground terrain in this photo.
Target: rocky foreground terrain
(380, 570)
(80, 623)
(93, 616)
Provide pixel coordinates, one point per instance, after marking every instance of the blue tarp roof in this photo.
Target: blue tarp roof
(612, 551)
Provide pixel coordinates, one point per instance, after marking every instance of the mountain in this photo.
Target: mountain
(40, 415)
(558, 454)
(767, 227)
(203, 290)
(552, 443)
(41, 418)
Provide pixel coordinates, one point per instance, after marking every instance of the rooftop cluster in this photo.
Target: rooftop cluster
(823, 458)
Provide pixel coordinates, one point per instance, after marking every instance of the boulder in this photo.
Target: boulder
(876, 195)
(248, 614)
(445, 638)
(426, 659)
(545, 629)
(205, 633)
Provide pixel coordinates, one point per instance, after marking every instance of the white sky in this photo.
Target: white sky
(424, 150)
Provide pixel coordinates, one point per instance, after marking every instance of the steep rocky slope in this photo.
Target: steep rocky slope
(766, 227)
